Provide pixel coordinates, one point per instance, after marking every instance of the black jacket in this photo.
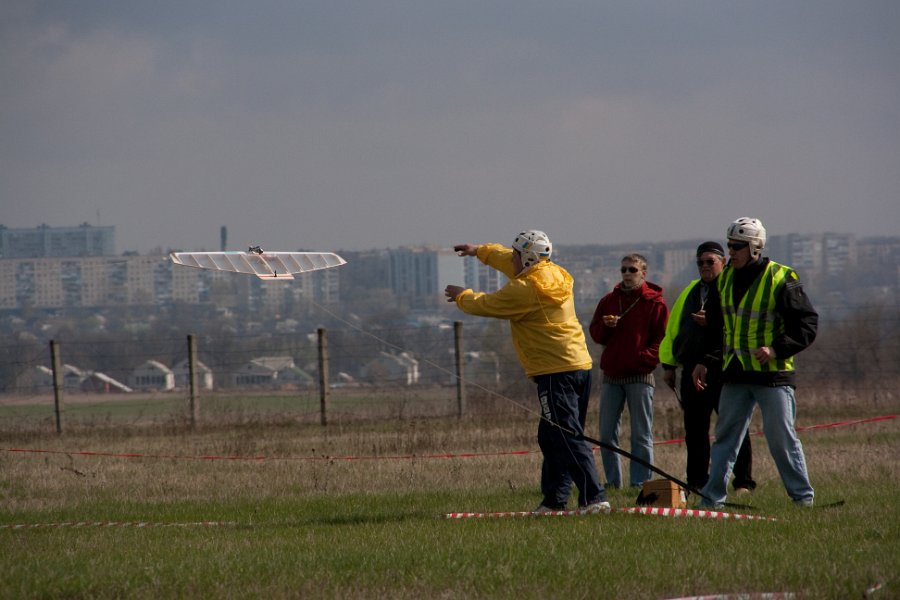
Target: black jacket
(687, 347)
(793, 307)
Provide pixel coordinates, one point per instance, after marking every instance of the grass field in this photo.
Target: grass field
(307, 521)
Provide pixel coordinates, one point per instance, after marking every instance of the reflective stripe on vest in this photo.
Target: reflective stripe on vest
(753, 323)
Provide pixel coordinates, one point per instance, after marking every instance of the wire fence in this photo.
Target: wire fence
(394, 373)
(383, 372)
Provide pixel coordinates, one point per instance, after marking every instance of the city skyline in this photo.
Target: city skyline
(47, 268)
(110, 237)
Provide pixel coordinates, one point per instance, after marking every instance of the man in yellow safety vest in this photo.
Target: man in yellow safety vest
(682, 347)
(758, 320)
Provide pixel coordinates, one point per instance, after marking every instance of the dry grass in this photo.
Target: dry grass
(314, 523)
(290, 459)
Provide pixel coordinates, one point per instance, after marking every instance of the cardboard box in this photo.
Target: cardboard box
(662, 493)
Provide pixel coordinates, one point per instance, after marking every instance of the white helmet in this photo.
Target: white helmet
(534, 246)
(750, 230)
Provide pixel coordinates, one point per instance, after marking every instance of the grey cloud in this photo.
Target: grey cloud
(381, 123)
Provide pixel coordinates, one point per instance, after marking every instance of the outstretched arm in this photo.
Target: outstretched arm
(452, 291)
(466, 249)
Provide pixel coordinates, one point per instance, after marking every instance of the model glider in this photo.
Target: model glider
(256, 261)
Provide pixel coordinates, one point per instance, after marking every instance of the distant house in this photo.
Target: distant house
(388, 367)
(480, 367)
(152, 375)
(96, 382)
(182, 373)
(342, 379)
(76, 380)
(72, 377)
(271, 371)
(42, 378)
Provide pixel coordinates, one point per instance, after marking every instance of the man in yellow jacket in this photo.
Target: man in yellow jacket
(549, 341)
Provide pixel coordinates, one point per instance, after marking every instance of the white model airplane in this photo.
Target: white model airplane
(255, 261)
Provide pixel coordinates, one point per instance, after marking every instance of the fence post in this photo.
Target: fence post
(460, 369)
(192, 379)
(57, 382)
(323, 375)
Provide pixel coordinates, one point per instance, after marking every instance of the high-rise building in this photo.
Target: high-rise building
(481, 277)
(420, 274)
(100, 281)
(45, 241)
(840, 253)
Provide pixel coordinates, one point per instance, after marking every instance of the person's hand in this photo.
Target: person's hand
(610, 320)
(764, 354)
(452, 291)
(699, 318)
(466, 249)
(669, 377)
(699, 377)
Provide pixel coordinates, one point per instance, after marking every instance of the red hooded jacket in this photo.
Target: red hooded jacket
(632, 346)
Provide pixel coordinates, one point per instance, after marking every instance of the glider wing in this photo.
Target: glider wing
(265, 265)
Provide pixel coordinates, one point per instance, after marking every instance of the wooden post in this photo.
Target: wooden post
(323, 375)
(192, 378)
(56, 365)
(460, 369)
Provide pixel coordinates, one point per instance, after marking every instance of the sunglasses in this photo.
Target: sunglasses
(629, 269)
(737, 245)
(706, 263)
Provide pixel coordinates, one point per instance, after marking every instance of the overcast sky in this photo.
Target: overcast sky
(354, 125)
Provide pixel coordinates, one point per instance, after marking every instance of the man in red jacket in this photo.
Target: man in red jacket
(630, 323)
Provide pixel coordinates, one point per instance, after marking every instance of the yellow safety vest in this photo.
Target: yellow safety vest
(673, 326)
(754, 323)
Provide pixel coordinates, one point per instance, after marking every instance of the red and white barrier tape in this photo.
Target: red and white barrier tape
(499, 515)
(806, 428)
(643, 510)
(354, 458)
(692, 512)
(109, 524)
(764, 595)
(744, 596)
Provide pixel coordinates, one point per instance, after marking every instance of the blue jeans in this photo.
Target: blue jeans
(567, 459)
(639, 397)
(776, 404)
(698, 407)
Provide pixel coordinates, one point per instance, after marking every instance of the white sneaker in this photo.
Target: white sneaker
(596, 507)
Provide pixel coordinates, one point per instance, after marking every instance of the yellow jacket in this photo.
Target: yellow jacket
(539, 306)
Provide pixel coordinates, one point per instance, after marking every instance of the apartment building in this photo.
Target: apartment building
(46, 241)
(417, 275)
(479, 276)
(102, 281)
(420, 274)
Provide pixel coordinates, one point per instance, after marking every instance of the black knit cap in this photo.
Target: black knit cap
(714, 247)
